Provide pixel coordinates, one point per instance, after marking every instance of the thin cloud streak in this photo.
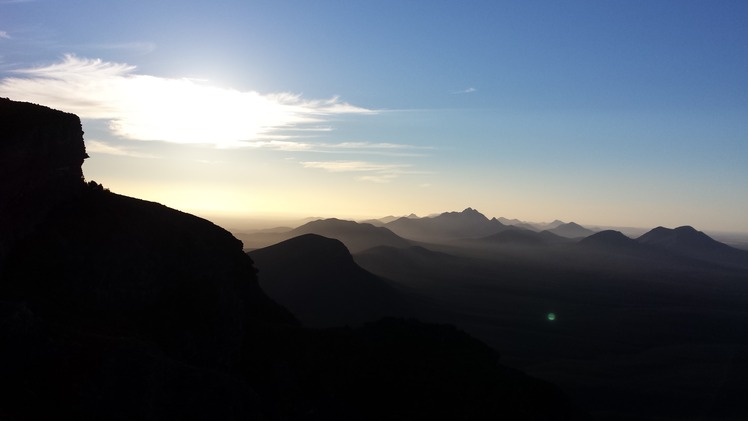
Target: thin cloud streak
(465, 91)
(376, 172)
(143, 107)
(364, 148)
(4, 35)
(352, 166)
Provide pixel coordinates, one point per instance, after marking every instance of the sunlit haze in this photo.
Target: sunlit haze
(605, 113)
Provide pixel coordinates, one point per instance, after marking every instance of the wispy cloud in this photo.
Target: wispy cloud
(465, 91)
(349, 166)
(364, 148)
(143, 107)
(4, 35)
(373, 172)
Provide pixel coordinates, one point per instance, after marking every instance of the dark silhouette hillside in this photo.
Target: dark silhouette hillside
(688, 242)
(639, 331)
(316, 278)
(117, 308)
(610, 240)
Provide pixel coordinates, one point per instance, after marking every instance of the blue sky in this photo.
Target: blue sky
(629, 113)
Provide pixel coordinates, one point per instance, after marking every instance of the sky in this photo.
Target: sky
(606, 113)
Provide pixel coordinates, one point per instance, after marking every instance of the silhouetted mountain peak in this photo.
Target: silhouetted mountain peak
(467, 214)
(310, 248)
(318, 280)
(609, 239)
(680, 238)
(571, 230)
(687, 241)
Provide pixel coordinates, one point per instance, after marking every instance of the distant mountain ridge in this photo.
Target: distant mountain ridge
(689, 242)
(447, 226)
(665, 243)
(356, 236)
(571, 230)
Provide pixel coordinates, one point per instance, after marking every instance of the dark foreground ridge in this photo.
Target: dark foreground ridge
(316, 278)
(117, 308)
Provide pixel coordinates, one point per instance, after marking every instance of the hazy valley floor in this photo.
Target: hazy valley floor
(637, 333)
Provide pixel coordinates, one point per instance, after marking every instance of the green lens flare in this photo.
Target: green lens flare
(551, 316)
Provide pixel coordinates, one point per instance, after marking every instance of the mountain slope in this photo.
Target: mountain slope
(115, 262)
(688, 242)
(610, 240)
(316, 278)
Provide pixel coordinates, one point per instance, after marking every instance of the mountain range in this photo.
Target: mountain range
(662, 305)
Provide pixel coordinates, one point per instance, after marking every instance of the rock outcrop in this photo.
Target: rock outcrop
(41, 153)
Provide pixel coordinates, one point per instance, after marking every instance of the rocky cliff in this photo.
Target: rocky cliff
(41, 153)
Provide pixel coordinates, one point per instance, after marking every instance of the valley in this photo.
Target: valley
(652, 327)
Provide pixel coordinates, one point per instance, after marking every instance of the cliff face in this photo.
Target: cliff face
(95, 284)
(41, 153)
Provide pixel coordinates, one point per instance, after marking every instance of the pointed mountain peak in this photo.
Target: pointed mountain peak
(571, 230)
(468, 213)
(473, 212)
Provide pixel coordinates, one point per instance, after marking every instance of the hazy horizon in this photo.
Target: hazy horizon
(250, 223)
(614, 114)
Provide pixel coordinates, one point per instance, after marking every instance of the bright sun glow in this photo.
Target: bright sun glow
(142, 107)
